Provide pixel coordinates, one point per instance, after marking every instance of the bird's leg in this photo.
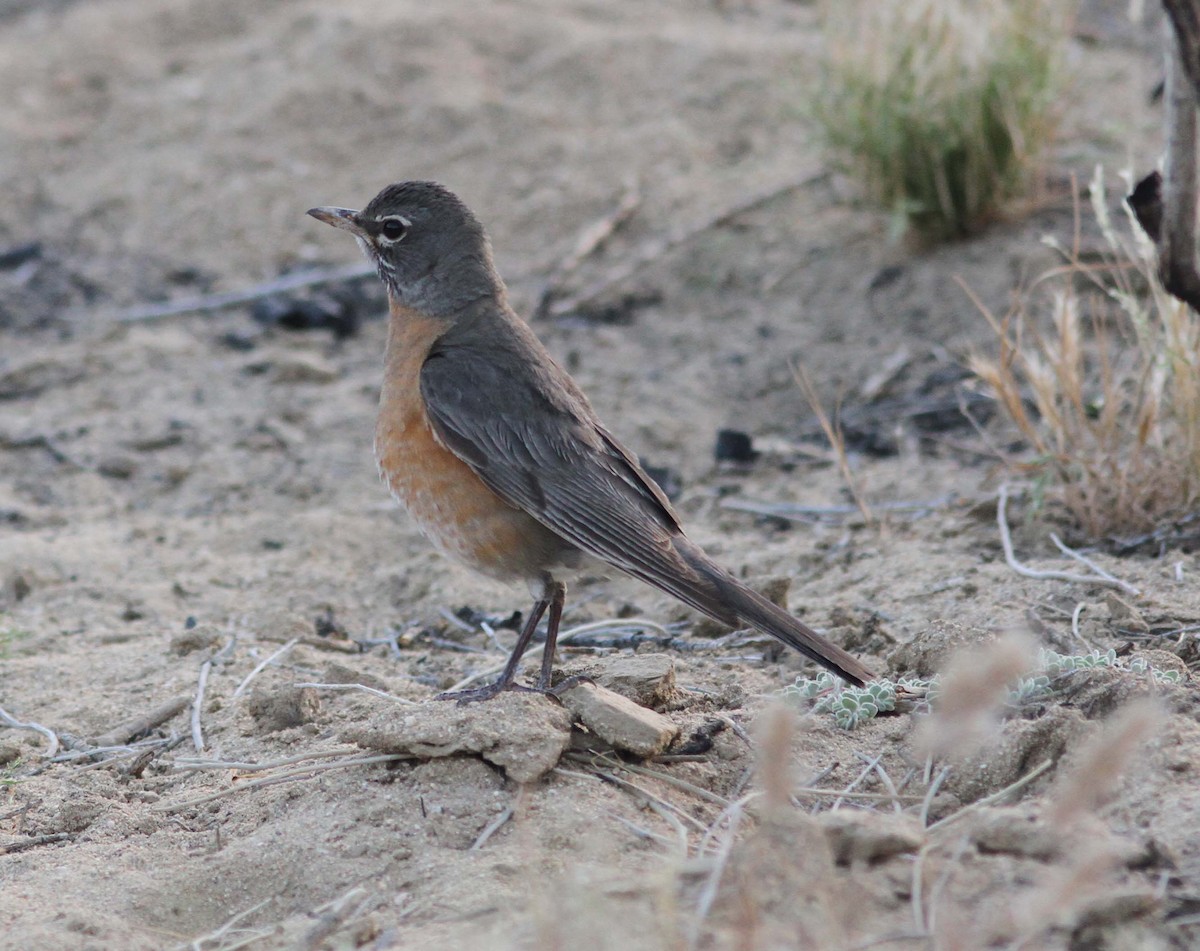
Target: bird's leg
(508, 675)
(556, 593)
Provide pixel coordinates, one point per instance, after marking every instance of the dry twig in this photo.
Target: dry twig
(197, 704)
(834, 435)
(790, 511)
(7, 719)
(34, 841)
(364, 688)
(215, 940)
(491, 829)
(210, 302)
(262, 665)
(998, 796)
(1010, 557)
(655, 250)
(1084, 560)
(120, 735)
(186, 763)
(287, 776)
(591, 240)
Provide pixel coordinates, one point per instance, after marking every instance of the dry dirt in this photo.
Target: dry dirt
(191, 494)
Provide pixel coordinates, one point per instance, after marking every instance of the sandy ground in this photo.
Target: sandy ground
(192, 494)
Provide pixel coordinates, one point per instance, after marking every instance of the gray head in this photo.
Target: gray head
(430, 250)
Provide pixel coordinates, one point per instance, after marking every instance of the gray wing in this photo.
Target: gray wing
(530, 436)
(538, 446)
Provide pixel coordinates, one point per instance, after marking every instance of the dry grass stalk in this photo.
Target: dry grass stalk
(776, 730)
(1103, 760)
(1108, 397)
(974, 690)
(833, 433)
(1063, 891)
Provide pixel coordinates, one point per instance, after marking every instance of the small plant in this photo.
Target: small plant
(1109, 398)
(939, 107)
(8, 637)
(852, 706)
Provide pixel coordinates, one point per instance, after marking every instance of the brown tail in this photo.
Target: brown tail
(728, 600)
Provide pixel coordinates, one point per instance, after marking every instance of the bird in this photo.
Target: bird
(497, 454)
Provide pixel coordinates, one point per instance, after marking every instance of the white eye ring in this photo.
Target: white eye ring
(393, 228)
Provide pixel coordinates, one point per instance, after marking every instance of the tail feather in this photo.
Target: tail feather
(729, 597)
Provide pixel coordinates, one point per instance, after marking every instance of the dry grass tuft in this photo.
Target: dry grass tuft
(776, 730)
(974, 691)
(1103, 761)
(1108, 396)
(940, 107)
(1064, 891)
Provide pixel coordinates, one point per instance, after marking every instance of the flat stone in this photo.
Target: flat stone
(524, 734)
(646, 679)
(339, 674)
(619, 721)
(282, 707)
(857, 837)
(1013, 831)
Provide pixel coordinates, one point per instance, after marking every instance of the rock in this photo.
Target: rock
(927, 653)
(620, 721)
(522, 733)
(338, 674)
(646, 679)
(1012, 831)
(283, 707)
(198, 638)
(733, 445)
(1118, 906)
(1164, 661)
(1022, 746)
(857, 837)
(1124, 616)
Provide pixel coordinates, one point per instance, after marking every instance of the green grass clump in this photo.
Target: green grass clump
(8, 637)
(940, 107)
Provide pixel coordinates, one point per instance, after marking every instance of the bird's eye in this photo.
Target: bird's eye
(393, 228)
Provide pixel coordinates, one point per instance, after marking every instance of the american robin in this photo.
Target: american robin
(497, 454)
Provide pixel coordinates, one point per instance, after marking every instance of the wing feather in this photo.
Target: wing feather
(543, 452)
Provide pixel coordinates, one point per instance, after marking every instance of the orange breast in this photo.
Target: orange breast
(463, 518)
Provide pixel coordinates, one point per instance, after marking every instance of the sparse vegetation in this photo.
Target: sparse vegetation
(940, 107)
(852, 706)
(1108, 397)
(8, 636)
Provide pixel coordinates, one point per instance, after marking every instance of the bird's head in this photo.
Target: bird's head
(430, 250)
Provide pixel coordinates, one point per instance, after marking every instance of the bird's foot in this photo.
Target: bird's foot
(566, 684)
(479, 694)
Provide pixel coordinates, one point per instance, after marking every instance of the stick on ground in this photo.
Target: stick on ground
(211, 302)
(7, 719)
(197, 731)
(125, 732)
(1010, 558)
